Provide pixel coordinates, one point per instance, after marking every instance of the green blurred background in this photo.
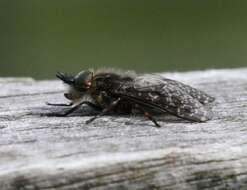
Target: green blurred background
(40, 37)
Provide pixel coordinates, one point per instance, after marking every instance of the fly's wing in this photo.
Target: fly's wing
(169, 96)
(201, 96)
(153, 80)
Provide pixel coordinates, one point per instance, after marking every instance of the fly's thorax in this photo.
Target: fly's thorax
(99, 100)
(110, 81)
(101, 95)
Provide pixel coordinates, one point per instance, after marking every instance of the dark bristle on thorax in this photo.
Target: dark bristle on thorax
(110, 80)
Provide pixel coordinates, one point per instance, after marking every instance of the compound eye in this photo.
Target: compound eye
(83, 80)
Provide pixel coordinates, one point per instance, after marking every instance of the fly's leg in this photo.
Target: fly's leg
(65, 105)
(73, 109)
(140, 104)
(148, 115)
(90, 104)
(105, 111)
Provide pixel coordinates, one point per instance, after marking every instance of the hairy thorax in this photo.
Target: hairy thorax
(104, 88)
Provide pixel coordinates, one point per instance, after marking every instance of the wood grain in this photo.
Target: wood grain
(123, 152)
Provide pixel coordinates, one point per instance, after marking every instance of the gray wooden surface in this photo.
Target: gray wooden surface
(123, 152)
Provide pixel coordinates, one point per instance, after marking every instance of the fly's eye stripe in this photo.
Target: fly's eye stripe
(87, 84)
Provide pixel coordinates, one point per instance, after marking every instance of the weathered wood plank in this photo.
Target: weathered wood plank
(123, 152)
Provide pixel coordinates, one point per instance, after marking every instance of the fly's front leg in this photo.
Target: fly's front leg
(64, 105)
(105, 111)
(73, 109)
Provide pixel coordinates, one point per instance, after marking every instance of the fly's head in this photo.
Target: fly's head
(79, 85)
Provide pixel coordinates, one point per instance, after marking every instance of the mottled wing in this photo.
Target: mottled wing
(154, 80)
(201, 96)
(170, 96)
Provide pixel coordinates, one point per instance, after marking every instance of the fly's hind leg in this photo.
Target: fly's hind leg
(148, 115)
